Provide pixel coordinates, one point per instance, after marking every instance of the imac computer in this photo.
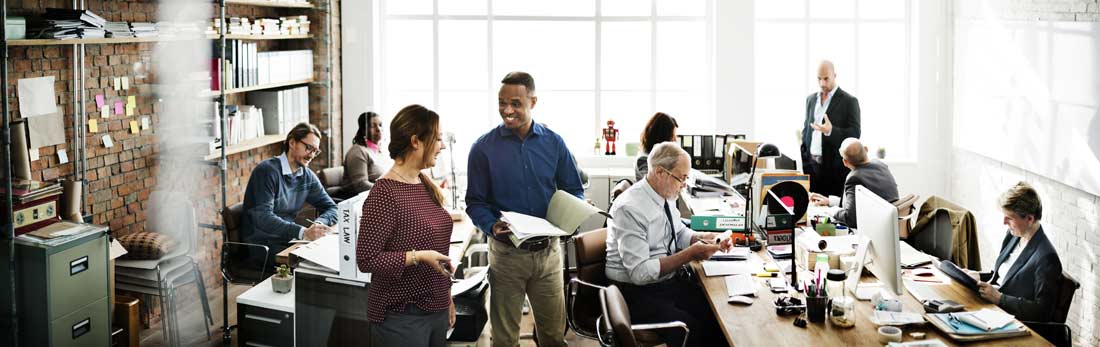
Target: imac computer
(878, 223)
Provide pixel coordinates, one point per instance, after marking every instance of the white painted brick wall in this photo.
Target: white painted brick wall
(1071, 219)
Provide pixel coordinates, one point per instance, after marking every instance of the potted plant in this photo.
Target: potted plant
(283, 279)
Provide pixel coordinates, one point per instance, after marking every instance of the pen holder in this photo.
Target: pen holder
(815, 308)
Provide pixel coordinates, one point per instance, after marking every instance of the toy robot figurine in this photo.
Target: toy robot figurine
(609, 136)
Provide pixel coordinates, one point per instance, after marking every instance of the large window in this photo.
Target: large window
(593, 60)
(868, 41)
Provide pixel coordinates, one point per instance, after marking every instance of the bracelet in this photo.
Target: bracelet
(414, 257)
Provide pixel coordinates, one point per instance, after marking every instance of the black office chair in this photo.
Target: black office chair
(616, 328)
(237, 267)
(1057, 332)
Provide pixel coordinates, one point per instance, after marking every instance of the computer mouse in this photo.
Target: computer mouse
(740, 299)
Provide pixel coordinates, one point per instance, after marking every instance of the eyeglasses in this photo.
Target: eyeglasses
(312, 150)
(678, 179)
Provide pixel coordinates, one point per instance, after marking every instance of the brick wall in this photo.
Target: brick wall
(1071, 217)
(121, 178)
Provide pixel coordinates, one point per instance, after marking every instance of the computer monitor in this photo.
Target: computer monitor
(878, 222)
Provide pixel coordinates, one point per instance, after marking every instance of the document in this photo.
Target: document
(986, 319)
(565, 213)
(46, 130)
(468, 283)
(36, 96)
(713, 268)
(323, 252)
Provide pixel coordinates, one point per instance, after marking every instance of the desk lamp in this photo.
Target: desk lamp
(764, 151)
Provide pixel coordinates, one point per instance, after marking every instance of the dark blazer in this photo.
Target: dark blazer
(1030, 286)
(874, 175)
(843, 112)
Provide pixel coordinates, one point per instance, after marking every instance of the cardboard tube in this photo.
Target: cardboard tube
(70, 200)
(20, 159)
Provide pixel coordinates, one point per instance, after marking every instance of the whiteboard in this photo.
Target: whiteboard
(1028, 93)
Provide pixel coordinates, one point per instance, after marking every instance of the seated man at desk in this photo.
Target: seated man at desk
(276, 192)
(870, 173)
(648, 248)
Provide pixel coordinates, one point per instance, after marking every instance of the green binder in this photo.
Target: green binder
(718, 223)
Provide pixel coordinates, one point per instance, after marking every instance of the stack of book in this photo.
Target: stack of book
(59, 23)
(118, 29)
(144, 29)
(298, 25)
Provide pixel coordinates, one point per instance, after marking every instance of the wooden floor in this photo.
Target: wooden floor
(153, 337)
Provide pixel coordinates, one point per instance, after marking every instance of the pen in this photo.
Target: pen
(767, 274)
(311, 221)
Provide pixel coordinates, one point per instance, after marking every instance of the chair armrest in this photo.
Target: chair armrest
(256, 246)
(576, 281)
(665, 325)
(604, 341)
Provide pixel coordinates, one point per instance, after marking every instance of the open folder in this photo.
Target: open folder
(565, 213)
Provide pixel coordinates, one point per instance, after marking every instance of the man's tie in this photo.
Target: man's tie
(671, 228)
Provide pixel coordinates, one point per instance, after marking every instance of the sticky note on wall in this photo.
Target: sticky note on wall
(118, 107)
(99, 101)
(133, 127)
(93, 126)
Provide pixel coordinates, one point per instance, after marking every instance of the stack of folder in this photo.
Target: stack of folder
(118, 30)
(985, 324)
(59, 23)
(144, 29)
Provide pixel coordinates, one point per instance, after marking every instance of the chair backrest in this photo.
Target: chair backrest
(1066, 289)
(617, 315)
(232, 216)
(332, 176)
(171, 213)
(591, 252)
(905, 213)
(936, 237)
(620, 187)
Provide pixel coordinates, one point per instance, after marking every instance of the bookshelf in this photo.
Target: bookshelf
(214, 93)
(109, 40)
(247, 145)
(261, 3)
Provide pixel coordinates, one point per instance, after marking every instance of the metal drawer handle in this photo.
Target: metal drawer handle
(263, 319)
(77, 266)
(82, 327)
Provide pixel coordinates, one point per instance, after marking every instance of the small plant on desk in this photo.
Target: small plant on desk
(283, 279)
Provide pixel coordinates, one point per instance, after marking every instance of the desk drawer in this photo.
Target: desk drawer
(259, 327)
(87, 326)
(77, 277)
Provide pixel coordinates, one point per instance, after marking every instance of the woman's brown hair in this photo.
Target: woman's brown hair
(419, 121)
(658, 129)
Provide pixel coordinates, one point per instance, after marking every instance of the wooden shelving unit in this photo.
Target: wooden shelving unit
(100, 41)
(214, 93)
(246, 145)
(261, 3)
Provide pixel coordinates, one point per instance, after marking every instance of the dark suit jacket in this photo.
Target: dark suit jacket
(843, 112)
(876, 176)
(1030, 286)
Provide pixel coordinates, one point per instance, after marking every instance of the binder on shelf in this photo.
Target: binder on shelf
(717, 223)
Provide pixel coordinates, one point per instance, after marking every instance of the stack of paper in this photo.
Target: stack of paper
(735, 253)
(986, 319)
(723, 268)
(144, 29)
(118, 29)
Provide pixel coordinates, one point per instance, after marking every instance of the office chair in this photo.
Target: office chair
(169, 213)
(237, 268)
(616, 323)
(590, 249)
(1057, 332)
(905, 214)
(332, 179)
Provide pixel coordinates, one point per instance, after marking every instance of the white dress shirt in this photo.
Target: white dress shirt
(819, 116)
(1013, 257)
(638, 235)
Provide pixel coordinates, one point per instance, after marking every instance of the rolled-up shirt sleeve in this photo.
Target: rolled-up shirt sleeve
(683, 233)
(633, 245)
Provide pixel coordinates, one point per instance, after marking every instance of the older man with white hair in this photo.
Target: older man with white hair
(648, 248)
(870, 173)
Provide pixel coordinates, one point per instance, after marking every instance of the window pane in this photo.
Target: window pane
(408, 58)
(780, 8)
(832, 8)
(465, 7)
(570, 114)
(882, 9)
(626, 7)
(834, 42)
(882, 86)
(560, 55)
(405, 7)
(780, 98)
(681, 7)
(544, 8)
(468, 116)
(689, 108)
(681, 55)
(625, 56)
(629, 110)
(463, 55)
(394, 100)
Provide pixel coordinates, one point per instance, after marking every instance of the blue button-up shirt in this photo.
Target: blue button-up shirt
(507, 173)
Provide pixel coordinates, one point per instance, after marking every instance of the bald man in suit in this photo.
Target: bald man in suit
(832, 115)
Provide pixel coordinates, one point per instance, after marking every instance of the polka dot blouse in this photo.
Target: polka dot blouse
(399, 217)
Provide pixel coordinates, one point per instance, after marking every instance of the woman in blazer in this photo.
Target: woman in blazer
(1025, 278)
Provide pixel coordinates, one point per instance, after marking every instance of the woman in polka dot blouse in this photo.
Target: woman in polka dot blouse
(403, 237)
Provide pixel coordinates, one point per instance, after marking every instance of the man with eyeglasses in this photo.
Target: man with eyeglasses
(276, 192)
(648, 248)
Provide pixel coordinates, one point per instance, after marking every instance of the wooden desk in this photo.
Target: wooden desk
(758, 324)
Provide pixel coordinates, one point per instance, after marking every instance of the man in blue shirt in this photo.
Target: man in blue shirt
(276, 192)
(517, 167)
